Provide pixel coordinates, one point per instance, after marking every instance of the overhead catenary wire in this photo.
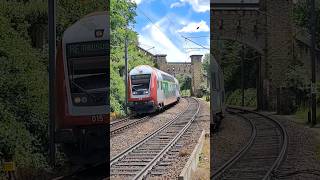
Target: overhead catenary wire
(188, 38)
(184, 37)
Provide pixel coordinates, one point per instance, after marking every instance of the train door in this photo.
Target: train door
(160, 93)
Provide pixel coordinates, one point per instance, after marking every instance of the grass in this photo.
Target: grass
(203, 169)
(302, 115)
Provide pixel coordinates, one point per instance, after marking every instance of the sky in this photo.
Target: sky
(162, 25)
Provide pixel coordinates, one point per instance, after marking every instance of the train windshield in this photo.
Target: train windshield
(88, 75)
(140, 84)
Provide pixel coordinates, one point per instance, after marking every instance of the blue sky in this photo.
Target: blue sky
(173, 19)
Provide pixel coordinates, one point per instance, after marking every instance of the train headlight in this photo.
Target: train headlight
(84, 99)
(134, 92)
(77, 100)
(146, 92)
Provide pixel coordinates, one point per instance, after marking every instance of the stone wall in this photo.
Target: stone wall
(193, 69)
(269, 30)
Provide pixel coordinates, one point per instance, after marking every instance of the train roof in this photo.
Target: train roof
(85, 28)
(142, 69)
(146, 69)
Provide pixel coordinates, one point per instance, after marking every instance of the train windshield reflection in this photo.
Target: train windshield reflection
(140, 84)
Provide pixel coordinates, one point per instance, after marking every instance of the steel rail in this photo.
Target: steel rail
(240, 153)
(156, 159)
(126, 126)
(126, 151)
(119, 121)
(157, 134)
(280, 157)
(285, 142)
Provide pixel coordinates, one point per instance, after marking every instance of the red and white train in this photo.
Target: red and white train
(150, 89)
(82, 80)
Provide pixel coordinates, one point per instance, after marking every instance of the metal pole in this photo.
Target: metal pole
(52, 70)
(313, 60)
(242, 76)
(126, 73)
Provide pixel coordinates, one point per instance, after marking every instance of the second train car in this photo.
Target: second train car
(217, 97)
(151, 89)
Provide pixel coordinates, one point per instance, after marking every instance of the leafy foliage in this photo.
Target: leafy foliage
(24, 76)
(250, 96)
(231, 67)
(184, 81)
(302, 18)
(122, 15)
(23, 99)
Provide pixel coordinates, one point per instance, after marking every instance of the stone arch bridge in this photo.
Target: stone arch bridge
(266, 26)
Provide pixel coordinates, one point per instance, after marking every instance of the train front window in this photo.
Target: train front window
(140, 84)
(88, 76)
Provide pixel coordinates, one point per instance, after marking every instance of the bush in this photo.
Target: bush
(235, 98)
(23, 100)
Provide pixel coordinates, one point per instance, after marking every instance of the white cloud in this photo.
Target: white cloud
(176, 4)
(152, 36)
(197, 5)
(136, 1)
(165, 39)
(195, 27)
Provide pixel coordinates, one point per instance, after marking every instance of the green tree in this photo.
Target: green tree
(23, 99)
(122, 16)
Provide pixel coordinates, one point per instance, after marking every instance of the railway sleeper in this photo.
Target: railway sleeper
(137, 160)
(164, 163)
(133, 158)
(142, 153)
(153, 146)
(132, 164)
(126, 173)
(125, 168)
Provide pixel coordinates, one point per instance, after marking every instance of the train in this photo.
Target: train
(81, 88)
(217, 100)
(151, 90)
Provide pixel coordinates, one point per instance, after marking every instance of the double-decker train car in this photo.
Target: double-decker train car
(150, 89)
(82, 79)
(217, 100)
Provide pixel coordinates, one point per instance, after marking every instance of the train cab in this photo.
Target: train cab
(82, 79)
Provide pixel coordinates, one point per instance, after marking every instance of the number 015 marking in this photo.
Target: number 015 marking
(97, 118)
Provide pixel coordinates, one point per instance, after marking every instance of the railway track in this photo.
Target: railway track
(113, 123)
(118, 126)
(143, 158)
(263, 153)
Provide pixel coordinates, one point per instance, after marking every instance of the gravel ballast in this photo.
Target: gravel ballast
(234, 133)
(202, 122)
(301, 154)
(134, 134)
